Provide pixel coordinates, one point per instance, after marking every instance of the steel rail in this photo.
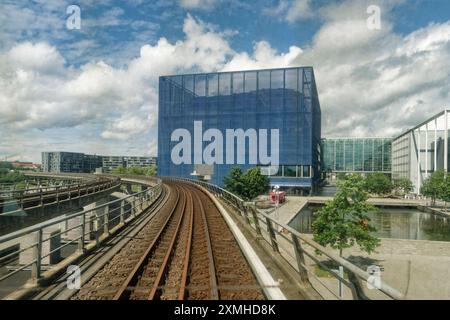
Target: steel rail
(212, 268)
(188, 204)
(184, 275)
(123, 292)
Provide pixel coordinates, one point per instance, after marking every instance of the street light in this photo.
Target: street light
(276, 189)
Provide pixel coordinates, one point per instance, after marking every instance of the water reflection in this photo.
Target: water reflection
(392, 223)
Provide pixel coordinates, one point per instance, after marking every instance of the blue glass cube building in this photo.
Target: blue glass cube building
(283, 99)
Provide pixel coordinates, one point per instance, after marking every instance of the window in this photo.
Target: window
(212, 85)
(306, 172)
(200, 85)
(225, 84)
(188, 83)
(290, 171)
(277, 79)
(263, 80)
(250, 81)
(238, 83)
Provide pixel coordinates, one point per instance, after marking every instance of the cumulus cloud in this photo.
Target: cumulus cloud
(122, 128)
(376, 82)
(291, 11)
(264, 56)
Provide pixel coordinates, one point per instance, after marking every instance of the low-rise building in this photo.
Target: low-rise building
(356, 155)
(422, 150)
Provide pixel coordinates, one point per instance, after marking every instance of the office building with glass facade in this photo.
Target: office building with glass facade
(364, 155)
(86, 163)
(422, 150)
(283, 99)
(70, 162)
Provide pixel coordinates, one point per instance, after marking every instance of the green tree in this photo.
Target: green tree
(432, 186)
(233, 181)
(444, 192)
(6, 165)
(246, 185)
(119, 170)
(255, 183)
(403, 185)
(343, 221)
(11, 177)
(378, 183)
(140, 171)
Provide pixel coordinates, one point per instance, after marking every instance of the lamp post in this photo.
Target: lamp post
(276, 189)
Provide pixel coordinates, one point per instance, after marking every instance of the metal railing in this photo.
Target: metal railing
(20, 200)
(85, 230)
(313, 262)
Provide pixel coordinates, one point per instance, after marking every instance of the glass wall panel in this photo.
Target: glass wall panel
(291, 79)
(306, 171)
(387, 155)
(378, 155)
(250, 81)
(339, 155)
(290, 171)
(225, 84)
(213, 85)
(238, 82)
(368, 155)
(348, 155)
(358, 163)
(200, 85)
(188, 83)
(277, 79)
(263, 80)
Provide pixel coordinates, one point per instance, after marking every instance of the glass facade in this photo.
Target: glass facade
(86, 163)
(356, 155)
(283, 99)
(422, 150)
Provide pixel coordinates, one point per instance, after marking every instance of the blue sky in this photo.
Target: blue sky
(95, 89)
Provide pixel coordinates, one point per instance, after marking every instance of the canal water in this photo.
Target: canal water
(392, 223)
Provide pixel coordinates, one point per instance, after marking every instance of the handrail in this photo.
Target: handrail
(126, 209)
(59, 194)
(31, 191)
(49, 223)
(240, 205)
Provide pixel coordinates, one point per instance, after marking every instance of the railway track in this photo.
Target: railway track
(187, 252)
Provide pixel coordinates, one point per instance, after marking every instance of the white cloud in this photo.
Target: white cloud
(291, 11)
(197, 4)
(123, 128)
(377, 82)
(264, 56)
(40, 57)
(299, 10)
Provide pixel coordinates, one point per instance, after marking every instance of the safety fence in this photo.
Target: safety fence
(42, 247)
(20, 200)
